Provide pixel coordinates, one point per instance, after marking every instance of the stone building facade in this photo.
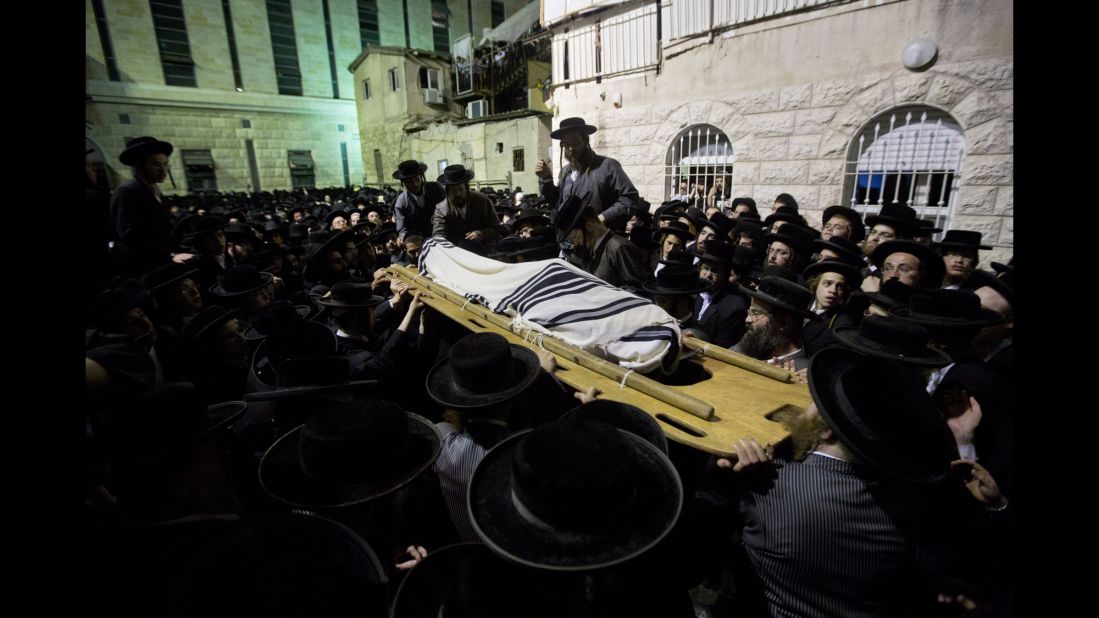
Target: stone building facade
(793, 91)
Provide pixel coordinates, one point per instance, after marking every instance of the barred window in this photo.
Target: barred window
(698, 157)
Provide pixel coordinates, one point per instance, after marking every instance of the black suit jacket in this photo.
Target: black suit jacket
(142, 228)
(723, 321)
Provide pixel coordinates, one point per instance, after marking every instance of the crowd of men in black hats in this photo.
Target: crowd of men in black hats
(275, 426)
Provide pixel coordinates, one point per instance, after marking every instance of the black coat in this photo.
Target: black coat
(142, 229)
(723, 321)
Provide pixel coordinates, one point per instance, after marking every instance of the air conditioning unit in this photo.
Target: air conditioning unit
(433, 96)
(476, 109)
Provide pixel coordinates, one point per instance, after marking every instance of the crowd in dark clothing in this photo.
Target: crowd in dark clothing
(276, 425)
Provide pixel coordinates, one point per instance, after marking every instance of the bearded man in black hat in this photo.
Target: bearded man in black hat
(775, 320)
(599, 181)
(465, 217)
(894, 221)
(416, 204)
(142, 225)
(600, 251)
(719, 313)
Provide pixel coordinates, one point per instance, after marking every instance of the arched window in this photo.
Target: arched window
(699, 155)
(909, 155)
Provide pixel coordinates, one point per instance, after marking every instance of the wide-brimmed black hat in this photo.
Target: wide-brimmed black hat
(897, 216)
(337, 213)
(350, 294)
(1004, 268)
(574, 495)
(206, 321)
(622, 416)
(383, 231)
(926, 229)
(355, 452)
(467, 579)
(542, 243)
(1004, 284)
(163, 276)
(947, 309)
(241, 231)
(697, 217)
(334, 242)
(140, 147)
(569, 124)
(675, 228)
(852, 275)
(531, 214)
(482, 369)
(858, 228)
(253, 334)
(285, 564)
(961, 239)
(892, 293)
(796, 237)
(568, 215)
(783, 294)
(409, 169)
(290, 213)
(113, 303)
(737, 201)
(241, 280)
(882, 412)
(677, 280)
(885, 337)
(275, 226)
(786, 216)
(744, 260)
(720, 252)
(201, 225)
(749, 218)
(720, 224)
(932, 267)
(298, 232)
(455, 175)
(847, 249)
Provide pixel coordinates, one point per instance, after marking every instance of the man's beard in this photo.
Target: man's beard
(805, 434)
(579, 157)
(761, 342)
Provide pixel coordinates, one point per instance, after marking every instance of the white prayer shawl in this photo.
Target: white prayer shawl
(554, 298)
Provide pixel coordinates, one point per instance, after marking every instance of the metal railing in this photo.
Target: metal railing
(686, 18)
(609, 45)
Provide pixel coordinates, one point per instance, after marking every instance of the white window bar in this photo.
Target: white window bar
(916, 174)
(900, 154)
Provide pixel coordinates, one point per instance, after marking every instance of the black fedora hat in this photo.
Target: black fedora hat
(749, 218)
(347, 455)
(961, 239)
(675, 228)
(282, 564)
(858, 228)
(897, 216)
(455, 175)
(882, 412)
(892, 293)
(206, 321)
(350, 294)
(330, 217)
(114, 302)
(947, 309)
(275, 226)
(1004, 284)
(932, 267)
(697, 217)
(744, 260)
(852, 275)
(467, 579)
(573, 495)
(784, 294)
(290, 213)
(253, 334)
(1004, 268)
(163, 276)
(622, 416)
(720, 224)
(885, 337)
(241, 280)
(678, 257)
(677, 280)
(568, 215)
(720, 252)
(201, 225)
(140, 147)
(845, 248)
(786, 216)
(569, 124)
(926, 229)
(238, 231)
(482, 369)
(409, 169)
(333, 242)
(533, 215)
(796, 237)
(298, 232)
(384, 231)
(737, 201)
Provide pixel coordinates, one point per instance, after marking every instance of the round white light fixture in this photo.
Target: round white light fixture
(919, 54)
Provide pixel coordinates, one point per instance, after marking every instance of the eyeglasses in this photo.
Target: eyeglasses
(757, 313)
(881, 235)
(903, 269)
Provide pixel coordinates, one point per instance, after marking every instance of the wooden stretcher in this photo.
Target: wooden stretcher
(738, 399)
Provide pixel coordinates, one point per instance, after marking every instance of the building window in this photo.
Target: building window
(105, 41)
(368, 22)
(394, 81)
(284, 46)
(301, 169)
(440, 30)
(237, 80)
(199, 167)
(366, 88)
(517, 156)
(430, 79)
(697, 158)
(171, 38)
(497, 13)
(909, 155)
